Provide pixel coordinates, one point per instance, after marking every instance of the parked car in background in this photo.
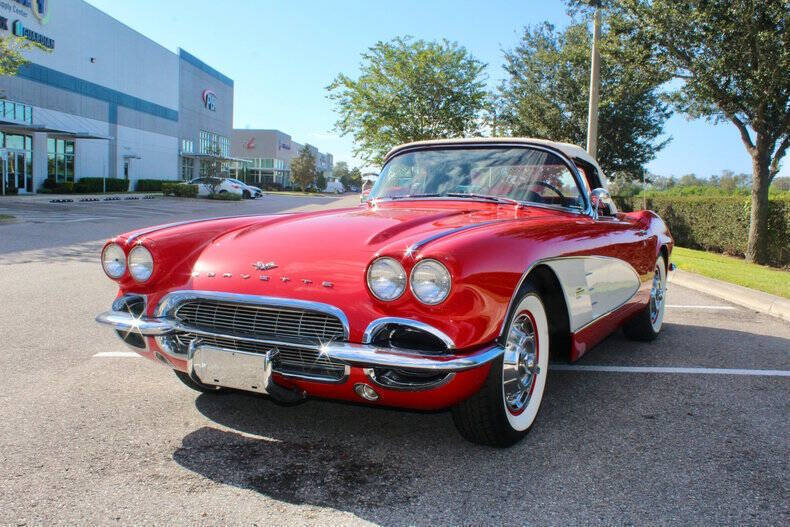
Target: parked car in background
(353, 188)
(248, 191)
(475, 265)
(207, 186)
(334, 186)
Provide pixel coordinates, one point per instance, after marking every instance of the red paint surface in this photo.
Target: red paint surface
(486, 264)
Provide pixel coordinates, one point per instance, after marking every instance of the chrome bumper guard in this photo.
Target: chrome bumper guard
(363, 355)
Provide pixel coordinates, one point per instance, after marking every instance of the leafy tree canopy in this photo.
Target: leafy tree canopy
(546, 94)
(11, 56)
(409, 90)
(303, 169)
(731, 59)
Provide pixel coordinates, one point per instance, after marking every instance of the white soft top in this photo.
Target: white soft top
(568, 149)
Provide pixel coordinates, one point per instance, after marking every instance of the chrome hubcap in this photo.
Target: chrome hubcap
(657, 295)
(520, 364)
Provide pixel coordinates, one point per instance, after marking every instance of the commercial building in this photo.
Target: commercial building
(104, 101)
(264, 156)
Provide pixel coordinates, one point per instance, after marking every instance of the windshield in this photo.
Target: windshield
(522, 174)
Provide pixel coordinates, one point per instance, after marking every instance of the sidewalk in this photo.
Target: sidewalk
(743, 296)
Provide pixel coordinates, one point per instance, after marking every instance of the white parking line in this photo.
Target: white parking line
(679, 306)
(667, 369)
(128, 354)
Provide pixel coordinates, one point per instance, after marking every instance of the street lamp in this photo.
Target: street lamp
(595, 83)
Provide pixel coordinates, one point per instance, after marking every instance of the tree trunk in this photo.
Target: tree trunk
(757, 248)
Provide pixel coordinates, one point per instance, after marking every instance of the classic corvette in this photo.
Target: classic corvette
(474, 265)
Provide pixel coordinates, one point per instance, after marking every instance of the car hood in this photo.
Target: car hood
(295, 252)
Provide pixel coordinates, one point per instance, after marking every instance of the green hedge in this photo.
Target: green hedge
(179, 190)
(148, 185)
(226, 196)
(89, 185)
(719, 224)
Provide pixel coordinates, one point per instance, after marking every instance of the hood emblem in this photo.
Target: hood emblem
(264, 266)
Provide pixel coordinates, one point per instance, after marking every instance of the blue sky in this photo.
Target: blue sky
(282, 54)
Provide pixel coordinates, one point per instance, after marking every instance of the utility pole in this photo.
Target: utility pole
(595, 85)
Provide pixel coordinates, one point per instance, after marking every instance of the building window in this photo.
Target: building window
(60, 160)
(187, 146)
(213, 144)
(16, 111)
(187, 168)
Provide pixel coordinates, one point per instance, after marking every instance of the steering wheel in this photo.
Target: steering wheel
(534, 196)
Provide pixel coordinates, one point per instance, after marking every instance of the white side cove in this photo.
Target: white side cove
(594, 286)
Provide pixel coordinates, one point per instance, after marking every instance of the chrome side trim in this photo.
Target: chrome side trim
(548, 261)
(376, 326)
(411, 387)
(316, 378)
(171, 300)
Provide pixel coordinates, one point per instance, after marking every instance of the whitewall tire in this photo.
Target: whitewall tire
(505, 408)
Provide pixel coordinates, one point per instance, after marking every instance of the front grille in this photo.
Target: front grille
(230, 320)
(260, 321)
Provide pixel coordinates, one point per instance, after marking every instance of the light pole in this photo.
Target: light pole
(595, 84)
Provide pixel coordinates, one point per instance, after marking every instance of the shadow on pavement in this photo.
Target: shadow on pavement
(599, 452)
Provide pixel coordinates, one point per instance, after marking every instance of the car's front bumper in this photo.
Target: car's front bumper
(350, 353)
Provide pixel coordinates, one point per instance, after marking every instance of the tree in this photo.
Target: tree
(409, 90)
(303, 169)
(11, 56)
(356, 176)
(212, 168)
(545, 94)
(731, 58)
(342, 173)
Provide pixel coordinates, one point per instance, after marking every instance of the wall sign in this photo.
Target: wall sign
(210, 100)
(251, 144)
(40, 9)
(20, 30)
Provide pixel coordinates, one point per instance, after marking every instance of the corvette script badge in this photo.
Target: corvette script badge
(261, 266)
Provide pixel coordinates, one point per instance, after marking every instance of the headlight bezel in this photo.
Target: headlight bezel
(443, 268)
(136, 250)
(404, 274)
(123, 261)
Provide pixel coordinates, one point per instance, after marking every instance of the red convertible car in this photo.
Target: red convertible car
(475, 264)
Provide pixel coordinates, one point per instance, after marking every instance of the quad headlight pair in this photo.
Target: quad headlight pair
(429, 281)
(141, 263)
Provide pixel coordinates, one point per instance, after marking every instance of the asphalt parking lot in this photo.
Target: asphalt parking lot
(633, 434)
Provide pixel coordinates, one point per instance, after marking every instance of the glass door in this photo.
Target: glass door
(21, 171)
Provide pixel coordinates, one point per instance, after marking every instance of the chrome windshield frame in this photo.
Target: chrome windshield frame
(585, 210)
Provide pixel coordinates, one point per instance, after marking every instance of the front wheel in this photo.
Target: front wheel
(647, 323)
(505, 408)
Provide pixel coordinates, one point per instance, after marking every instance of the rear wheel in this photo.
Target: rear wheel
(195, 384)
(246, 194)
(505, 408)
(646, 325)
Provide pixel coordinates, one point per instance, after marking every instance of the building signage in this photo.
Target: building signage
(251, 144)
(20, 30)
(3, 23)
(210, 100)
(40, 9)
(285, 146)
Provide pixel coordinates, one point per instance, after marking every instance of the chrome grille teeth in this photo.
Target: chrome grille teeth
(265, 322)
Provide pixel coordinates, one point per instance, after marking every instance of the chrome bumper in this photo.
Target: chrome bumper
(363, 355)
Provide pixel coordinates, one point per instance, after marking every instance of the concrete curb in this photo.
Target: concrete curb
(743, 296)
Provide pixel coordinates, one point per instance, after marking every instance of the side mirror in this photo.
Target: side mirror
(602, 202)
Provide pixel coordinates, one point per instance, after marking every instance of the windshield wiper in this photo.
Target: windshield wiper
(488, 197)
(409, 196)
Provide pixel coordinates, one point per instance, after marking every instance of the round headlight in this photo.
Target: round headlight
(113, 260)
(430, 282)
(386, 279)
(141, 263)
